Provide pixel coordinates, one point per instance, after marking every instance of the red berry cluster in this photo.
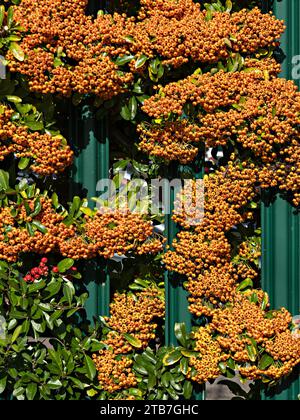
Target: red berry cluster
(36, 273)
(42, 270)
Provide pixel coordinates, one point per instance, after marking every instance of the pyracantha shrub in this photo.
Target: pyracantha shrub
(66, 50)
(132, 325)
(241, 330)
(31, 222)
(46, 154)
(260, 114)
(237, 105)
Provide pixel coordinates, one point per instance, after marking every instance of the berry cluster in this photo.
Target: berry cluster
(36, 273)
(48, 154)
(261, 115)
(67, 51)
(105, 234)
(240, 326)
(133, 315)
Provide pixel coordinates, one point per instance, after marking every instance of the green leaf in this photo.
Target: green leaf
(65, 265)
(54, 384)
(132, 106)
(189, 353)
(69, 291)
(172, 357)
(4, 180)
(34, 125)
(54, 199)
(75, 206)
(39, 226)
(17, 51)
(37, 327)
(235, 388)
(231, 364)
(140, 61)
(180, 333)
(3, 384)
(252, 352)
(77, 382)
(14, 99)
(187, 390)
(2, 14)
(184, 366)
(133, 341)
(223, 367)
(10, 16)
(37, 208)
(228, 5)
(31, 391)
(90, 367)
(124, 59)
(265, 302)
(87, 211)
(125, 113)
(23, 163)
(246, 284)
(265, 362)
(129, 38)
(151, 382)
(92, 393)
(16, 334)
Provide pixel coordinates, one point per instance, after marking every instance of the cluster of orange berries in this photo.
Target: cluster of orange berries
(48, 154)
(257, 111)
(105, 234)
(205, 255)
(67, 51)
(133, 315)
(170, 140)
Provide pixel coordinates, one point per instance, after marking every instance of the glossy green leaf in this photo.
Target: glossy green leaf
(17, 51)
(125, 59)
(187, 390)
(180, 333)
(265, 362)
(3, 382)
(23, 163)
(133, 341)
(246, 284)
(4, 180)
(2, 14)
(69, 291)
(31, 391)
(16, 333)
(172, 357)
(90, 367)
(39, 226)
(65, 265)
(141, 61)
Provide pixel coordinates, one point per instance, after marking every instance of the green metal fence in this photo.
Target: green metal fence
(280, 223)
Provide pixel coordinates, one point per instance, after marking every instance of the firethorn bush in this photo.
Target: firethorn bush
(176, 81)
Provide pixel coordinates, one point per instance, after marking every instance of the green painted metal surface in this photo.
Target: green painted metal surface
(280, 223)
(90, 138)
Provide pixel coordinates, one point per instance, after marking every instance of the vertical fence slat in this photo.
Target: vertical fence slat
(91, 164)
(280, 224)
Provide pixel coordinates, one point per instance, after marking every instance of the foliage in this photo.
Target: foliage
(46, 351)
(174, 78)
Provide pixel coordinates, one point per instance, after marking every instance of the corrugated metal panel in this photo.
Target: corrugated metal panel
(90, 138)
(281, 226)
